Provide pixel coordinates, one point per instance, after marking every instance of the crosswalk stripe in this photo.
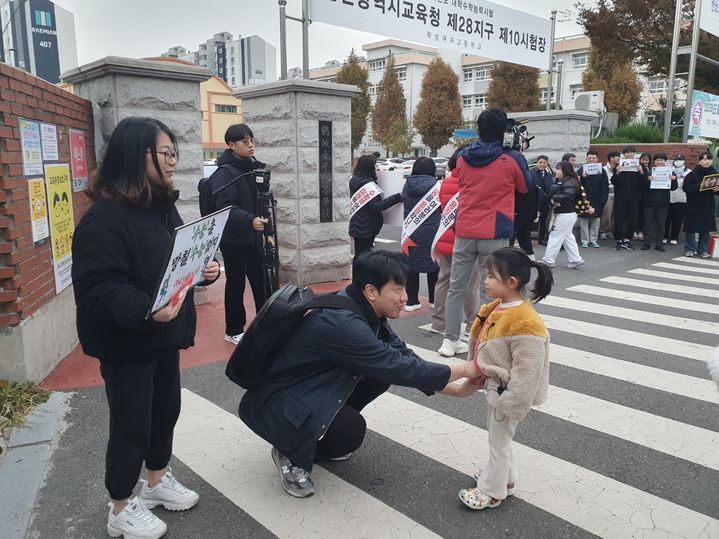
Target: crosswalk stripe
(677, 322)
(221, 449)
(594, 502)
(635, 373)
(382, 240)
(674, 438)
(695, 269)
(662, 287)
(646, 298)
(675, 276)
(701, 261)
(688, 350)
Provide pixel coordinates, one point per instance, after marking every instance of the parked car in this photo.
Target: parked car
(406, 167)
(441, 163)
(388, 163)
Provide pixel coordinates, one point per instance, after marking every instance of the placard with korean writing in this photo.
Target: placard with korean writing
(38, 209)
(477, 27)
(31, 147)
(590, 169)
(78, 162)
(628, 165)
(325, 157)
(62, 225)
(194, 246)
(661, 178)
(50, 151)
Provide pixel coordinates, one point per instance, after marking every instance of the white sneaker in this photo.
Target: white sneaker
(664, 241)
(169, 493)
(449, 348)
(431, 305)
(135, 521)
(234, 339)
(412, 307)
(673, 242)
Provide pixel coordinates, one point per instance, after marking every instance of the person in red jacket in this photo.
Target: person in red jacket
(489, 177)
(443, 253)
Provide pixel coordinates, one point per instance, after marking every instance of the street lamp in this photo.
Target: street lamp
(305, 20)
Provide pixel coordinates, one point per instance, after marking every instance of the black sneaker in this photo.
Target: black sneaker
(627, 245)
(618, 246)
(295, 480)
(660, 248)
(646, 247)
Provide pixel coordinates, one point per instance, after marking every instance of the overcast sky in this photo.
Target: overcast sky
(140, 28)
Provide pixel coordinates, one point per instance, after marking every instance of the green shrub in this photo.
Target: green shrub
(17, 400)
(636, 134)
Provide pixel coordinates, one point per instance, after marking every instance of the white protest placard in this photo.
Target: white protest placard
(662, 178)
(391, 182)
(49, 142)
(194, 246)
(590, 169)
(481, 28)
(629, 165)
(709, 18)
(31, 147)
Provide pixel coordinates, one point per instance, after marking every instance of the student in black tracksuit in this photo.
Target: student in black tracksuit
(543, 179)
(240, 241)
(656, 207)
(119, 252)
(628, 185)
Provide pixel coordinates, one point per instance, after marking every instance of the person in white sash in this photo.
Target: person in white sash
(442, 253)
(417, 243)
(367, 204)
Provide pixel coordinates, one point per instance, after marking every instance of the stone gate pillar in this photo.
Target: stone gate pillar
(302, 130)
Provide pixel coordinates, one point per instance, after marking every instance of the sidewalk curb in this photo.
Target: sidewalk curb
(24, 466)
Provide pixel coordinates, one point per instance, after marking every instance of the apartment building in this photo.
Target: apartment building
(238, 62)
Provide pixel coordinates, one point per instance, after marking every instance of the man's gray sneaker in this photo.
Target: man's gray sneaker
(295, 480)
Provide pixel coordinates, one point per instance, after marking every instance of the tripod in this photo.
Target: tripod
(265, 208)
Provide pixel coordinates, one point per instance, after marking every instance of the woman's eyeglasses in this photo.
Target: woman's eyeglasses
(170, 156)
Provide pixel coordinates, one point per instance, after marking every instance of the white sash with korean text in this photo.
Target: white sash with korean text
(427, 205)
(362, 196)
(449, 214)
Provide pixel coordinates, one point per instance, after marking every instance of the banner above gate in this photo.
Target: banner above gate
(480, 28)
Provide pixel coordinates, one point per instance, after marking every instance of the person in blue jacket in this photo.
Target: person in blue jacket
(418, 184)
(334, 364)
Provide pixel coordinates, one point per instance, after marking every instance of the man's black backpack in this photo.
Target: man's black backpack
(278, 318)
(207, 195)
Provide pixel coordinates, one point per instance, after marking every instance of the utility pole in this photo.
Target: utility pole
(673, 71)
(692, 70)
(283, 39)
(550, 71)
(305, 21)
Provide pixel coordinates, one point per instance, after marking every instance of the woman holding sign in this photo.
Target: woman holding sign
(367, 204)
(699, 218)
(120, 249)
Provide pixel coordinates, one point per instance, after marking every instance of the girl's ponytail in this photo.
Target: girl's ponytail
(545, 280)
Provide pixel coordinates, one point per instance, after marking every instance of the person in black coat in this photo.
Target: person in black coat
(346, 360)
(596, 187)
(120, 248)
(699, 217)
(418, 184)
(241, 239)
(656, 207)
(628, 185)
(543, 178)
(367, 221)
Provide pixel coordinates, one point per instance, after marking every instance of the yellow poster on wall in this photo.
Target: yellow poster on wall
(38, 209)
(62, 225)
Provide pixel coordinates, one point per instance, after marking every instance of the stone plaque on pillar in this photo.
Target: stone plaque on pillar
(304, 136)
(325, 171)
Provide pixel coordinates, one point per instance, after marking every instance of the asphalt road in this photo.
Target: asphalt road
(626, 445)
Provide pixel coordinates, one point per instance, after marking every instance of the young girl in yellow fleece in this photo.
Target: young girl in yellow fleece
(509, 346)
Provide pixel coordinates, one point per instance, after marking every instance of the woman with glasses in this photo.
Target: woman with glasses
(119, 252)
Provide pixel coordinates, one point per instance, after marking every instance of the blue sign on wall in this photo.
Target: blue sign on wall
(465, 133)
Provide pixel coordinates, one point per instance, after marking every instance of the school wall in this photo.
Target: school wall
(37, 326)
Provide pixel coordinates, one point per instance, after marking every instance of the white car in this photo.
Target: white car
(406, 167)
(388, 164)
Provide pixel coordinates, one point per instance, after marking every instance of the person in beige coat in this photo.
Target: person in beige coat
(509, 346)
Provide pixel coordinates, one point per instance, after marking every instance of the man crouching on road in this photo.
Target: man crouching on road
(336, 363)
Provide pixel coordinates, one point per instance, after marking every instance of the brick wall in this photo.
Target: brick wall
(27, 280)
(690, 151)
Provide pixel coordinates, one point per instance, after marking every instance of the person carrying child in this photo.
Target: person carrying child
(509, 348)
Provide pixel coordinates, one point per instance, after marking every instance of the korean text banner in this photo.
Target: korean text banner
(194, 247)
(704, 117)
(477, 27)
